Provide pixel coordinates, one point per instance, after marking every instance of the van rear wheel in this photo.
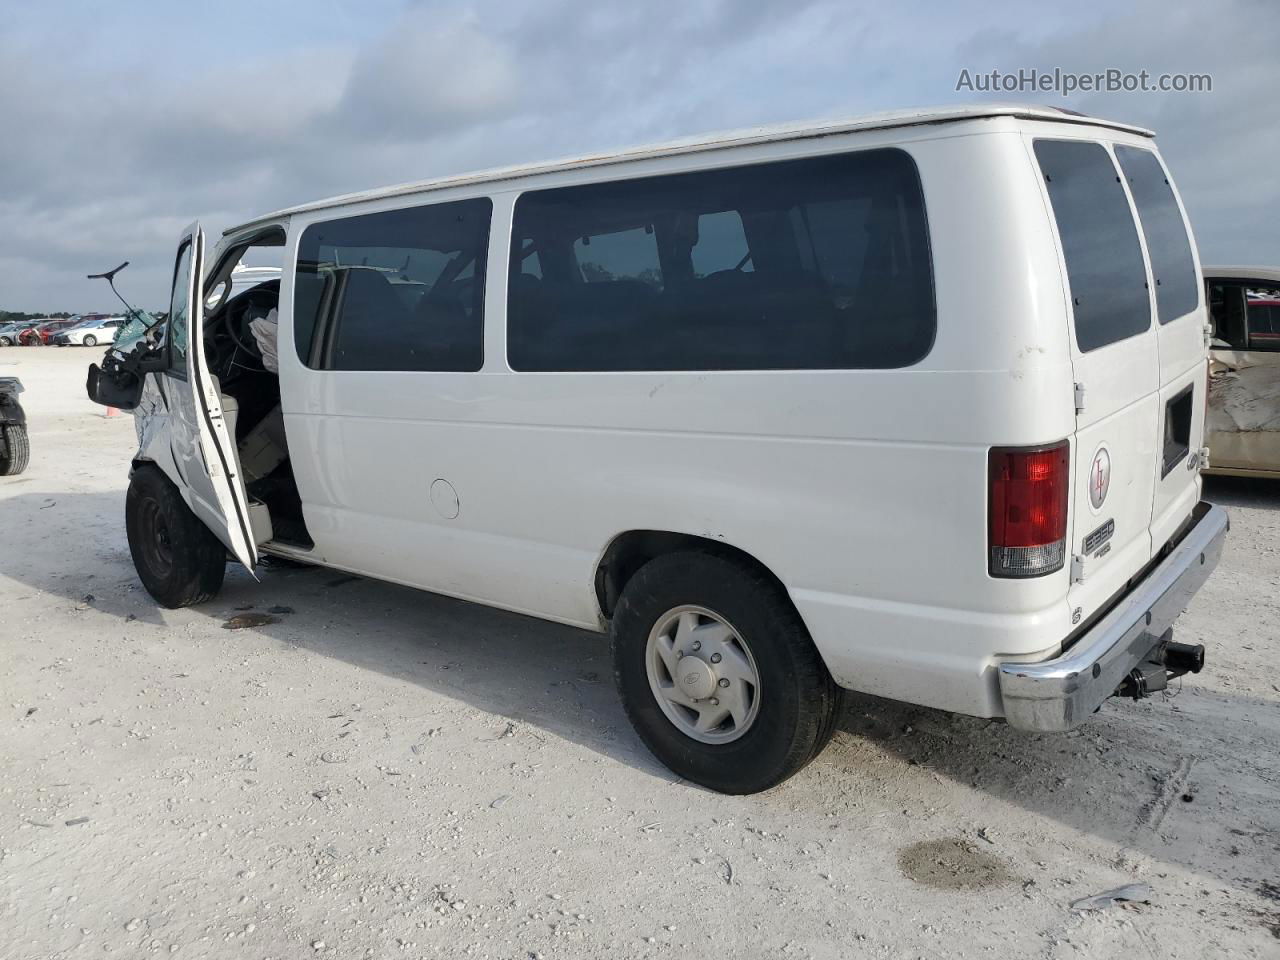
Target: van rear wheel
(719, 675)
(178, 559)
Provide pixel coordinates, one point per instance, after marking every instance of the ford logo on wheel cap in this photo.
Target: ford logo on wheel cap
(1099, 478)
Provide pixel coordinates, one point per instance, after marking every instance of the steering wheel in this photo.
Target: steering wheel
(240, 311)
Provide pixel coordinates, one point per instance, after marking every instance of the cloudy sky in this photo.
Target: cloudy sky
(124, 121)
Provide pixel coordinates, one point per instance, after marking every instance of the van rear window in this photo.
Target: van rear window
(1105, 271)
(1168, 246)
(817, 263)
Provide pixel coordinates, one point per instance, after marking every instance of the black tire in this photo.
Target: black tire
(90, 340)
(17, 450)
(6, 342)
(178, 559)
(799, 701)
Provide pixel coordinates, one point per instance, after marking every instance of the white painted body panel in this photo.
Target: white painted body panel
(1126, 386)
(863, 491)
(1184, 361)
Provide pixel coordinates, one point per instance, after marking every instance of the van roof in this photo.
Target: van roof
(715, 141)
(1271, 274)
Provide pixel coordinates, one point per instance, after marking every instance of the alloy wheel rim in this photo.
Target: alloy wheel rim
(702, 674)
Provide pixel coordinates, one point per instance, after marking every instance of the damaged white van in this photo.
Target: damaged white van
(909, 405)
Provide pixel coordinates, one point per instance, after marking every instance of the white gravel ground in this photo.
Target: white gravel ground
(384, 773)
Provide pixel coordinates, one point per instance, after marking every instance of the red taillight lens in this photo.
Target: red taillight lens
(1027, 513)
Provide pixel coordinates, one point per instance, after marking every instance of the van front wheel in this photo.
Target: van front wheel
(718, 674)
(178, 559)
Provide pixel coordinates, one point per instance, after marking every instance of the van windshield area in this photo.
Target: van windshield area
(133, 328)
(815, 263)
(1105, 270)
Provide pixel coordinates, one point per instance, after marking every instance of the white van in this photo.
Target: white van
(910, 405)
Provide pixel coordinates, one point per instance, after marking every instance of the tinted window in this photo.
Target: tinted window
(619, 255)
(1105, 271)
(804, 264)
(1263, 306)
(400, 290)
(1245, 315)
(721, 244)
(1172, 264)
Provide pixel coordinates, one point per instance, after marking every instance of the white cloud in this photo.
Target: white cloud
(109, 153)
(426, 75)
(1220, 146)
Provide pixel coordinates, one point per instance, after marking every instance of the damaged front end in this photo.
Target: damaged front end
(118, 382)
(1242, 423)
(10, 409)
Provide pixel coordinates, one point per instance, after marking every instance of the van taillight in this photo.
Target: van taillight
(1027, 511)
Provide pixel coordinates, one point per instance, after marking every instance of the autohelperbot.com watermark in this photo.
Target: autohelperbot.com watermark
(1066, 82)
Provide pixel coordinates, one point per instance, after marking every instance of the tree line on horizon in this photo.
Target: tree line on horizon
(11, 316)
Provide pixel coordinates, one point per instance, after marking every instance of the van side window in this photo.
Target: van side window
(1105, 271)
(622, 255)
(399, 290)
(816, 263)
(1245, 314)
(721, 244)
(1172, 263)
(1227, 314)
(1262, 307)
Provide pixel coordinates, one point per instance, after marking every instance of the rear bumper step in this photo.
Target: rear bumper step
(1130, 650)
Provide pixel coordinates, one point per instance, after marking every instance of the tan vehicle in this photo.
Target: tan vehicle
(1242, 425)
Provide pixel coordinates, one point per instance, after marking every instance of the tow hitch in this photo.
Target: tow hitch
(1167, 659)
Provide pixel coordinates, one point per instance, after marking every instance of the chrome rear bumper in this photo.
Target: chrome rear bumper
(1060, 694)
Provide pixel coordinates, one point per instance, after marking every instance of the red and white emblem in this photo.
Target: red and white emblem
(1099, 478)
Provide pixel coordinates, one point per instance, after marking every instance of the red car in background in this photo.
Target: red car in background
(39, 335)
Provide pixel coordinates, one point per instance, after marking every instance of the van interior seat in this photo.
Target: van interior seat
(717, 318)
(444, 332)
(606, 300)
(371, 313)
(437, 334)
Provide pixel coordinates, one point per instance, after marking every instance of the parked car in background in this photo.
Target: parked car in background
(10, 332)
(89, 333)
(40, 334)
(1242, 425)
(14, 450)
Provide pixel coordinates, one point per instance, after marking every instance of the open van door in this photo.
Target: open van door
(204, 450)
